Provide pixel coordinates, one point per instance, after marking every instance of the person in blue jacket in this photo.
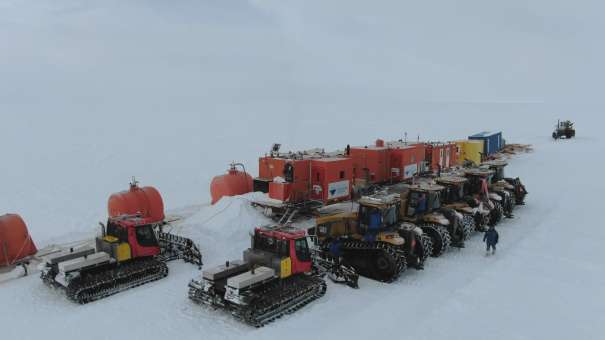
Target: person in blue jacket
(491, 239)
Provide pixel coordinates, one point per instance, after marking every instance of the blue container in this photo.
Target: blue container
(492, 141)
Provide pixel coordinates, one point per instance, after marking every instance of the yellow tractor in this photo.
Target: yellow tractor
(371, 238)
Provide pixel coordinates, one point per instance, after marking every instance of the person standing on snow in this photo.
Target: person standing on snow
(491, 239)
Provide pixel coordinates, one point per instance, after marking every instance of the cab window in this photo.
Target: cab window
(302, 250)
(146, 236)
(113, 229)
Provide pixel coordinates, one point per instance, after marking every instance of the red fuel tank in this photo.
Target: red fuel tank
(233, 183)
(15, 241)
(145, 201)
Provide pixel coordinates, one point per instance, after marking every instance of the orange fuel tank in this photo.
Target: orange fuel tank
(15, 241)
(145, 201)
(233, 183)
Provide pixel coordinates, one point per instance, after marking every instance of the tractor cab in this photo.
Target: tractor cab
(453, 188)
(497, 166)
(378, 212)
(129, 237)
(423, 199)
(479, 180)
(284, 249)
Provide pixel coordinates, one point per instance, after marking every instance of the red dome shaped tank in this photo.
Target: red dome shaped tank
(233, 183)
(145, 201)
(15, 241)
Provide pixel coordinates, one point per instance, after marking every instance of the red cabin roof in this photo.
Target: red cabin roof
(283, 233)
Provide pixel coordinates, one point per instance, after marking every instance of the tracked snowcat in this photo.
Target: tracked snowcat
(132, 250)
(275, 278)
(372, 239)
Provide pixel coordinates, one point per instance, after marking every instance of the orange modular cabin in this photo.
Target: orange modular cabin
(145, 201)
(331, 179)
(294, 172)
(15, 241)
(441, 155)
(371, 163)
(405, 160)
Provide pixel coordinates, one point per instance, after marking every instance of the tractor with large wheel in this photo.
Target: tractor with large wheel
(475, 215)
(564, 129)
(276, 277)
(132, 250)
(372, 239)
(500, 183)
(422, 206)
(479, 179)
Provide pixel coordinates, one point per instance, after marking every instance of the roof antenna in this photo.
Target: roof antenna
(405, 138)
(134, 183)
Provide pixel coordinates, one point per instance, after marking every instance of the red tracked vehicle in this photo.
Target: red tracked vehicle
(132, 250)
(275, 278)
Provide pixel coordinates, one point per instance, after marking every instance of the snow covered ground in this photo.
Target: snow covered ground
(95, 92)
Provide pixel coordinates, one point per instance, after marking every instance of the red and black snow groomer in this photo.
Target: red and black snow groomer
(131, 251)
(275, 278)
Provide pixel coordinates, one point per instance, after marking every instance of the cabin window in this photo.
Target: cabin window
(302, 250)
(146, 236)
(342, 175)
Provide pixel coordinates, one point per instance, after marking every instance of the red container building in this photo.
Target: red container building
(332, 179)
(294, 172)
(405, 160)
(441, 155)
(371, 163)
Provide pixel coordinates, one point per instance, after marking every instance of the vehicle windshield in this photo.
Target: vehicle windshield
(117, 231)
(434, 201)
(302, 250)
(390, 216)
(370, 217)
(146, 236)
(474, 185)
(274, 246)
(499, 175)
(418, 204)
(453, 193)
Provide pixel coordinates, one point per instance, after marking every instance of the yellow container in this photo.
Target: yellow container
(470, 150)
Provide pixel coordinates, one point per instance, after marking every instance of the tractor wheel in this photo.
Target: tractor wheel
(555, 136)
(447, 238)
(480, 221)
(495, 215)
(440, 241)
(513, 200)
(427, 247)
(468, 226)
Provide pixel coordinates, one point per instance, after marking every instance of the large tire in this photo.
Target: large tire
(427, 247)
(447, 238)
(468, 226)
(480, 221)
(436, 239)
(496, 214)
(376, 260)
